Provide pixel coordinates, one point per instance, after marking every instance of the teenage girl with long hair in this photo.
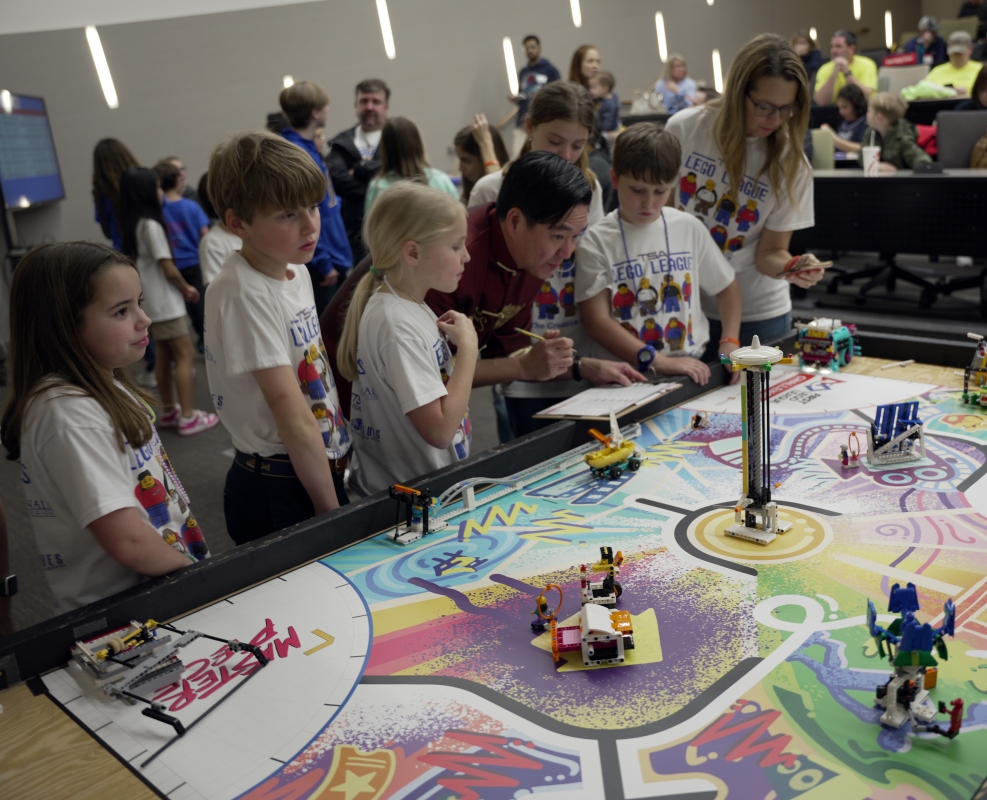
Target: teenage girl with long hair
(165, 293)
(402, 158)
(106, 506)
(744, 175)
(111, 158)
(409, 413)
(481, 151)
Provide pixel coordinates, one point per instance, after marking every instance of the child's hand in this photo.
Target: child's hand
(459, 329)
(190, 294)
(825, 126)
(331, 278)
(884, 166)
(690, 367)
(600, 372)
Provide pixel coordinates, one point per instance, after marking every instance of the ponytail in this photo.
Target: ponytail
(405, 212)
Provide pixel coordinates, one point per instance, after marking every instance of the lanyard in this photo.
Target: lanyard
(623, 237)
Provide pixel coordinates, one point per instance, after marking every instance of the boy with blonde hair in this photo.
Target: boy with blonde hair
(306, 107)
(268, 369)
(640, 271)
(888, 129)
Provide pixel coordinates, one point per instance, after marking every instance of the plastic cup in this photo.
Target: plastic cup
(871, 157)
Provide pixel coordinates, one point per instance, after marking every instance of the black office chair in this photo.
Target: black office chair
(886, 271)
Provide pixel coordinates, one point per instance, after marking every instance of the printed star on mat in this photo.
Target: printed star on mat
(355, 785)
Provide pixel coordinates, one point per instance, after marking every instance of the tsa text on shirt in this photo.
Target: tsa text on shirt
(658, 262)
(305, 327)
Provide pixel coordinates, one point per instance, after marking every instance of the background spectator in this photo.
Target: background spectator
(480, 151)
(978, 9)
(353, 158)
(853, 111)
(537, 73)
(929, 46)
(677, 89)
(896, 136)
(978, 95)
(402, 158)
(585, 64)
(607, 103)
(961, 71)
(111, 159)
(808, 51)
(846, 67)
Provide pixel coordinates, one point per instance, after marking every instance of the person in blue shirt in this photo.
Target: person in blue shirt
(929, 46)
(677, 89)
(534, 75)
(306, 107)
(607, 103)
(807, 49)
(185, 223)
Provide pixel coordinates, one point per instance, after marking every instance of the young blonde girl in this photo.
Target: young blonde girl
(105, 504)
(409, 413)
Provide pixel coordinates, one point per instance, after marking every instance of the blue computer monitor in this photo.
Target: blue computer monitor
(29, 173)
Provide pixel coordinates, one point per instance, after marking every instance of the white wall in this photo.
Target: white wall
(186, 82)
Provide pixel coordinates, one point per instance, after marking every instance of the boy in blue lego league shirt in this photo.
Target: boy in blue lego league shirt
(185, 223)
(306, 107)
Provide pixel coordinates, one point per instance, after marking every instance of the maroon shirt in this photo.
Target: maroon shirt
(494, 284)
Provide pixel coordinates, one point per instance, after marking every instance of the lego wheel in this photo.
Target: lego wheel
(615, 472)
(633, 464)
(617, 589)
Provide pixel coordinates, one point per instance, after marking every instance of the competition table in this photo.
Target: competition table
(439, 663)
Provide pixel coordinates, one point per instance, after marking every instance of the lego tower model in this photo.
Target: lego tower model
(756, 514)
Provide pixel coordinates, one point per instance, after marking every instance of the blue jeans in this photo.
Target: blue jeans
(765, 329)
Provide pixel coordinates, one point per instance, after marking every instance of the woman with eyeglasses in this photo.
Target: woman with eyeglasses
(744, 175)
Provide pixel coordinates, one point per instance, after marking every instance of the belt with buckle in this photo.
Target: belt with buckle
(279, 466)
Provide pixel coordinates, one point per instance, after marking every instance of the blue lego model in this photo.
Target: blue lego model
(896, 435)
(905, 697)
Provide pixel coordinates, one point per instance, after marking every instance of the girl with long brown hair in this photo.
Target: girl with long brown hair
(106, 506)
(111, 158)
(402, 158)
(744, 175)
(585, 64)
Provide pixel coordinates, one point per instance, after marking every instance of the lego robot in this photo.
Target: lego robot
(905, 697)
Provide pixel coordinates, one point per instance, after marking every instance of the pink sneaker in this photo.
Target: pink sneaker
(169, 419)
(199, 422)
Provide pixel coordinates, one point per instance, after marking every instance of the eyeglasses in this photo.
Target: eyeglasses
(766, 109)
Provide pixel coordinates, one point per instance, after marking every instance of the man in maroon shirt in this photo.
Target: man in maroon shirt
(514, 245)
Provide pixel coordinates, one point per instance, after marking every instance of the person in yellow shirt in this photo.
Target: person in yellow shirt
(961, 71)
(845, 67)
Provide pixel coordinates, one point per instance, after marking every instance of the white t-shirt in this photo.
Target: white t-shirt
(562, 313)
(736, 223)
(214, 247)
(366, 142)
(73, 473)
(404, 363)
(256, 322)
(655, 297)
(162, 301)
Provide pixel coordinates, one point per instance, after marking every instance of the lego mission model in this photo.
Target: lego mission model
(905, 697)
(756, 516)
(826, 344)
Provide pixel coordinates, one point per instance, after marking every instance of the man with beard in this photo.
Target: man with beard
(353, 158)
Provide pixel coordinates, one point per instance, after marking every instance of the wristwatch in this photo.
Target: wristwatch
(645, 358)
(8, 587)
